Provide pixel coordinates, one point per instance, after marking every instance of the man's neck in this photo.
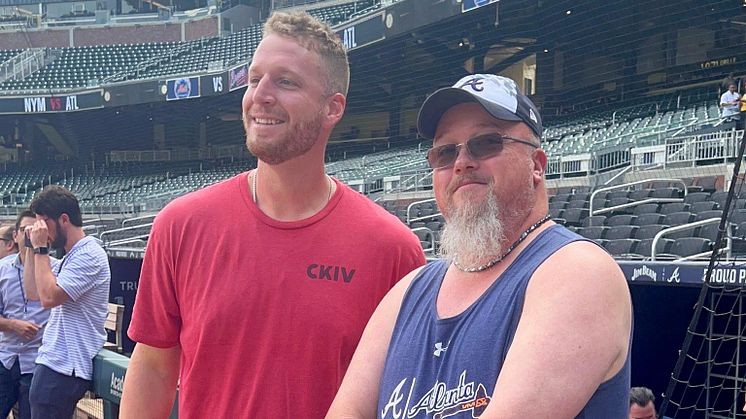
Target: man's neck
(291, 191)
(73, 236)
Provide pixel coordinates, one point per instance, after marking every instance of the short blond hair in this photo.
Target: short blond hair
(316, 36)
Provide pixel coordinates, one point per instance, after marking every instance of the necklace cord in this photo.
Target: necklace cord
(505, 254)
(255, 174)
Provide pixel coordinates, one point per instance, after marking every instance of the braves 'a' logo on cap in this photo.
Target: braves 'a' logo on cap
(474, 82)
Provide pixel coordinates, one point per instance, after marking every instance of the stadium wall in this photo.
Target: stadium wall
(111, 34)
(51, 38)
(202, 28)
(136, 34)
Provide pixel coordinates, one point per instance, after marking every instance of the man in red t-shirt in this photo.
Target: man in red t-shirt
(254, 292)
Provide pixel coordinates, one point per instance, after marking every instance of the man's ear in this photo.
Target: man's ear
(335, 108)
(539, 159)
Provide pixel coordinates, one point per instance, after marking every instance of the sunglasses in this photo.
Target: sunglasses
(479, 148)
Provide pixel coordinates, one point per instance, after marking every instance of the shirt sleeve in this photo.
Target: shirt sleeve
(156, 319)
(411, 256)
(2, 287)
(81, 273)
(55, 263)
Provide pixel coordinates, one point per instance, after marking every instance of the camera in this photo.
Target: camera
(27, 239)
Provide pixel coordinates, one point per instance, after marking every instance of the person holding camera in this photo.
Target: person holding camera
(76, 291)
(21, 323)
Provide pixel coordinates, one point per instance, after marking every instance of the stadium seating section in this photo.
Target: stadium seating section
(80, 67)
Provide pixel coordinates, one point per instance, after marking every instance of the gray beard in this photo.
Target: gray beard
(473, 233)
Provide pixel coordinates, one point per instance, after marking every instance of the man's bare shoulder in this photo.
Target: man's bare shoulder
(581, 262)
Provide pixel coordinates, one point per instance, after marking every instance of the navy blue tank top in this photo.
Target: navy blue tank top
(438, 368)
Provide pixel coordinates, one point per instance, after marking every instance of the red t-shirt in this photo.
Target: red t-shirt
(267, 313)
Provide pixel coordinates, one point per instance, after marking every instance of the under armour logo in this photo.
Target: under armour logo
(475, 83)
(439, 349)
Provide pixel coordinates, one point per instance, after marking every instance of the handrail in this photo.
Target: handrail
(133, 239)
(409, 207)
(143, 217)
(119, 230)
(426, 217)
(636, 203)
(429, 233)
(621, 172)
(690, 226)
(626, 185)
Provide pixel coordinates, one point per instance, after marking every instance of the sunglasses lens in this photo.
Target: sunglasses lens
(485, 146)
(441, 156)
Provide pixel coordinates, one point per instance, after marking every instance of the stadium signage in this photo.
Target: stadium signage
(214, 84)
(468, 5)
(51, 103)
(238, 77)
(682, 273)
(362, 33)
(718, 63)
(182, 88)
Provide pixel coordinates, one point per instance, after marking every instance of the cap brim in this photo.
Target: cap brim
(444, 99)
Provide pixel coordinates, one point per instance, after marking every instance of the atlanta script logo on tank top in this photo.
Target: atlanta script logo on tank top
(439, 400)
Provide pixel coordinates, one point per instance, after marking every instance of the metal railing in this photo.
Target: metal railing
(123, 230)
(417, 203)
(689, 226)
(591, 212)
(428, 233)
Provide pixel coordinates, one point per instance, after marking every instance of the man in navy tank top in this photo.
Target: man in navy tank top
(520, 318)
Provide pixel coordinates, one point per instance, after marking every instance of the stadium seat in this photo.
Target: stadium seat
(665, 193)
(575, 216)
(617, 194)
(580, 196)
(702, 206)
(696, 197)
(435, 226)
(709, 232)
(594, 220)
(645, 209)
(640, 194)
(663, 247)
(555, 213)
(621, 220)
(621, 232)
(621, 247)
(593, 233)
(708, 183)
(720, 198)
(673, 207)
(649, 231)
(705, 215)
(649, 218)
(679, 218)
(688, 246)
(577, 204)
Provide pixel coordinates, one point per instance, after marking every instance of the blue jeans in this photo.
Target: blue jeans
(54, 395)
(14, 387)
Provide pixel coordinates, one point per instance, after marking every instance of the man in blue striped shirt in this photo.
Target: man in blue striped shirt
(77, 292)
(7, 245)
(21, 324)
